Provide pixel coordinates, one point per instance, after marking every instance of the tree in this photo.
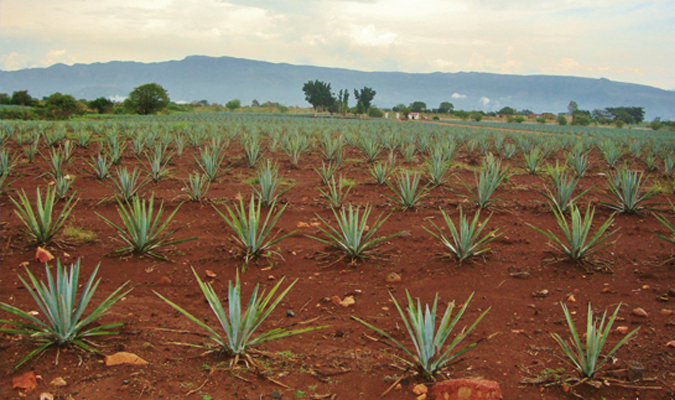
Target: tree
(418, 106)
(363, 99)
(343, 101)
(628, 115)
(562, 120)
(255, 103)
(446, 107)
(147, 99)
(233, 104)
(5, 99)
(507, 111)
(22, 98)
(102, 105)
(61, 106)
(319, 95)
(572, 107)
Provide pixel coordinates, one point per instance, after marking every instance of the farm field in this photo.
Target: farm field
(521, 280)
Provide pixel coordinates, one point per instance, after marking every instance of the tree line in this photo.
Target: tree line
(322, 98)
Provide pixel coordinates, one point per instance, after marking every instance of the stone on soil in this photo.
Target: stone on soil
(466, 389)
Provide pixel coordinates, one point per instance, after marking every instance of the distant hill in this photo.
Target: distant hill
(224, 78)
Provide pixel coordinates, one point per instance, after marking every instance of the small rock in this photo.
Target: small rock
(42, 255)
(572, 299)
(346, 302)
(26, 382)
(339, 333)
(541, 293)
(210, 273)
(467, 389)
(393, 278)
(640, 312)
(46, 396)
(124, 358)
(666, 312)
(420, 389)
(290, 313)
(622, 329)
(164, 281)
(671, 343)
(423, 396)
(671, 292)
(58, 382)
(147, 346)
(521, 275)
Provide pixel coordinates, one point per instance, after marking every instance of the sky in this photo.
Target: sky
(621, 40)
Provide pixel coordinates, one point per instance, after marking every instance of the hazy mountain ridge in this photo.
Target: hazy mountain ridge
(219, 79)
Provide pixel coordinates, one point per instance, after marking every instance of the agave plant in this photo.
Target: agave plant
(586, 359)
(428, 341)
(269, 183)
(128, 184)
(62, 185)
(142, 229)
(626, 192)
(326, 172)
(464, 242)
(533, 160)
(158, 163)
(380, 172)
(252, 150)
(251, 233)
(209, 161)
(335, 193)
(4, 184)
(351, 235)
(66, 322)
(239, 325)
(667, 224)
(6, 162)
(407, 192)
(579, 162)
(196, 186)
(437, 166)
(101, 166)
(575, 242)
(42, 223)
(561, 196)
(487, 182)
(611, 152)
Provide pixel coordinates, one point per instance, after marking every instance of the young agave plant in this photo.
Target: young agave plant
(575, 243)
(351, 235)
(429, 356)
(437, 166)
(586, 359)
(668, 225)
(626, 192)
(407, 192)
(62, 184)
(380, 172)
(141, 228)
(128, 184)
(464, 242)
(561, 196)
(239, 325)
(269, 183)
(533, 160)
(335, 194)
(196, 186)
(209, 161)
(326, 172)
(6, 162)
(66, 322)
(251, 233)
(40, 223)
(487, 182)
(101, 166)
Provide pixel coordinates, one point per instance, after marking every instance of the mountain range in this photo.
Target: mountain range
(219, 79)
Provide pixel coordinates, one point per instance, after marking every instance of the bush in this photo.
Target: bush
(375, 112)
(562, 120)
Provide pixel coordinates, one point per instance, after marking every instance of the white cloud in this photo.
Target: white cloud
(485, 101)
(14, 61)
(458, 96)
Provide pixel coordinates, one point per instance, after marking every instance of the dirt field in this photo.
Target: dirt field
(514, 343)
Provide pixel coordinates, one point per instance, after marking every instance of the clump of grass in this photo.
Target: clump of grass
(78, 235)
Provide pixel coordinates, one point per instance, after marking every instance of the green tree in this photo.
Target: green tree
(343, 101)
(233, 104)
(22, 98)
(102, 105)
(461, 114)
(418, 106)
(446, 107)
(147, 99)
(255, 103)
(562, 120)
(364, 98)
(319, 95)
(61, 106)
(628, 115)
(507, 111)
(5, 99)
(572, 107)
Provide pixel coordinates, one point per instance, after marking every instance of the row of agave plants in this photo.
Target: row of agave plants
(143, 231)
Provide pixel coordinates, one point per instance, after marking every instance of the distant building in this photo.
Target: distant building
(414, 115)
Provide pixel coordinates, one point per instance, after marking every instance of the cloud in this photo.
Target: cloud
(14, 61)
(458, 96)
(485, 101)
(550, 37)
